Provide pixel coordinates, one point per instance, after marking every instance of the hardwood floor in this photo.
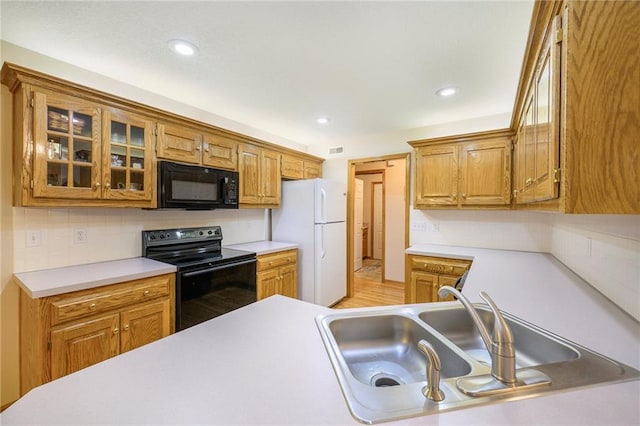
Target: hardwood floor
(373, 293)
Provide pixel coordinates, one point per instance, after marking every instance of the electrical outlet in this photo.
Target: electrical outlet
(419, 225)
(80, 236)
(34, 238)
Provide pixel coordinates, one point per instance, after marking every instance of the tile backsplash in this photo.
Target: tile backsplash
(49, 237)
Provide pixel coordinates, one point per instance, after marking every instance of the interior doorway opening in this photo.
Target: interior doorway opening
(377, 219)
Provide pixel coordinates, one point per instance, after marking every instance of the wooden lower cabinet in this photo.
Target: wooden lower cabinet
(426, 274)
(65, 333)
(277, 273)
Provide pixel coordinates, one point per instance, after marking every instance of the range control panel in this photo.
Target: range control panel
(176, 236)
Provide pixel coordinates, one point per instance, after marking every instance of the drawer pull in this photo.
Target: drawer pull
(92, 306)
(146, 293)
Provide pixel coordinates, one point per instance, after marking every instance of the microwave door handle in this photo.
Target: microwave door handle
(216, 268)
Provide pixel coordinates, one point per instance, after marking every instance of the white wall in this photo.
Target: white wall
(605, 251)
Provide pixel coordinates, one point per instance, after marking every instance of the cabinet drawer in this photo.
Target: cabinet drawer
(88, 302)
(276, 260)
(439, 266)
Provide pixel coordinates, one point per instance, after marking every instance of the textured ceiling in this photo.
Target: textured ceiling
(372, 67)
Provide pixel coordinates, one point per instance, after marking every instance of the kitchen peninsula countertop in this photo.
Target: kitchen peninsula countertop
(49, 282)
(266, 363)
(263, 247)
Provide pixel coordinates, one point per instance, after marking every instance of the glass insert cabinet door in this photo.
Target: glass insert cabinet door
(126, 156)
(67, 149)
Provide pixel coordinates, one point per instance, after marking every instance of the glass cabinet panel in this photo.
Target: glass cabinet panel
(128, 156)
(66, 141)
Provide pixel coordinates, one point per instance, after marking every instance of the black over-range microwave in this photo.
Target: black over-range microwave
(182, 186)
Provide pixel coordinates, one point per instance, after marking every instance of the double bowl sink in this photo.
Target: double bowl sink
(382, 372)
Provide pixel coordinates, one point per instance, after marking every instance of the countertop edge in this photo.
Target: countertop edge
(73, 278)
(264, 247)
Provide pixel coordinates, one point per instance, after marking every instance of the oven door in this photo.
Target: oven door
(213, 290)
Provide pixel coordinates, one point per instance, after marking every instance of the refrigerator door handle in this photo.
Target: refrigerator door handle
(323, 205)
(322, 250)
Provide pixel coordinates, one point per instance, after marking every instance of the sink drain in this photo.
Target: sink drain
(383, 380)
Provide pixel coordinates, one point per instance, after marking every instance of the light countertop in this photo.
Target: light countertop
(266, 363)
(49, 282)
(264, 247)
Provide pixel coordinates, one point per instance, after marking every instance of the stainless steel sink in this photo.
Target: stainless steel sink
(381, 372)
(382, 350)
(533, 346)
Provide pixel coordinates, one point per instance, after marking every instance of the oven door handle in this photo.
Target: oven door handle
(216, 268)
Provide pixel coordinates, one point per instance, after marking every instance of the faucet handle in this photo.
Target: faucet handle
(502, 334)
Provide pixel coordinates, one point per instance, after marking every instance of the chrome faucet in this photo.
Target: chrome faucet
(432, 390)
(501, 347)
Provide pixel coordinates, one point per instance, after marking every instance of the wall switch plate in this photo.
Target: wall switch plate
(34, 238)
(80, 236)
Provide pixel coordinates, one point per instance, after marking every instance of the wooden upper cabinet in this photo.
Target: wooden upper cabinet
(472, 170)
(67, 155)
(292, 167)
(312, 169)
(179, 143)
(485, 172)
(219, 152)
(260, 178)
(271, 182)
(298, 168)
(187, 145)
(577, 127)
(537, 163)
(127, 165)
(82, 154)
(436, 179)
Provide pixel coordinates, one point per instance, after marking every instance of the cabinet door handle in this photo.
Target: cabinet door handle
(116, 330)
(455, 196)
(107, 185)
(96, 185)
(126, 327)
(198, 147)
(464, 196)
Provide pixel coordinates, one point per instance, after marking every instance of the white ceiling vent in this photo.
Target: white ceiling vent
(336, 150)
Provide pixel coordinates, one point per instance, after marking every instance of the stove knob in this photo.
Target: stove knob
(162, 236)
(152, 237)
(201, 233)
(210, 232)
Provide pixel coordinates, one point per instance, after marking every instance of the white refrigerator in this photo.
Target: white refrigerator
(313, 215)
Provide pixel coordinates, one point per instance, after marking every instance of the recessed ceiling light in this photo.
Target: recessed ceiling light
(446, 91)
(183, 47)
(322, 120)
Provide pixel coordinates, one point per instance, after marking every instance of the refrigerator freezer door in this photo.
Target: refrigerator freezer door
(330, 263)
(330, 201)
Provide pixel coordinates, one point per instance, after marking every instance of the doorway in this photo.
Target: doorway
(383, 231)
